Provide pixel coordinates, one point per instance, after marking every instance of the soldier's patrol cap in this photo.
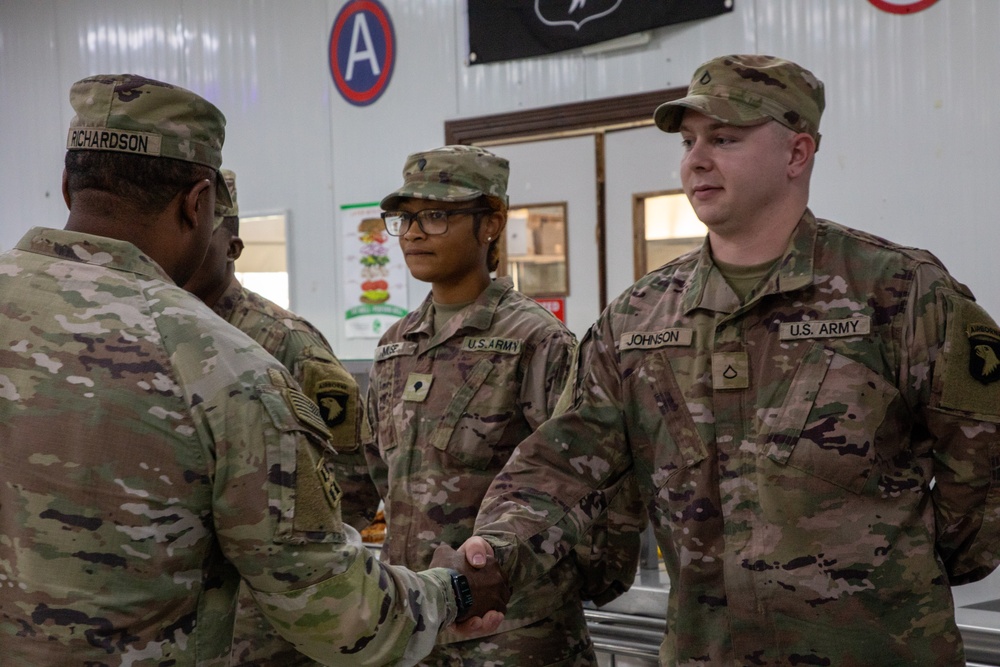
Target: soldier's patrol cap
(453, 174)
(222, 211)
(749, 90)
(128, 113)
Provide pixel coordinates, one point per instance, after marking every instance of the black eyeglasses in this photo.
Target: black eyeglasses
(432, 221)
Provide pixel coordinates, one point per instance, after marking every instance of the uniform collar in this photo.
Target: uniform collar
(707, 289)
(230, 299)
(90, 249)
(479, 315)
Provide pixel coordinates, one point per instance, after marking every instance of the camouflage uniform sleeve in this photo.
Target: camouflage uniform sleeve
(952, 369)
(334, 390)
(546, 375)
(277, 516)
(548, 496)
(378, 469)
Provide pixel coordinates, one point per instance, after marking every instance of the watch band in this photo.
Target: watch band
(462, 590)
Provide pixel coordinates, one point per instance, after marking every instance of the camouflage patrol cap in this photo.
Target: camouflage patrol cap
(452, 173)
(748, 90)
(127, 113)
(221, 209)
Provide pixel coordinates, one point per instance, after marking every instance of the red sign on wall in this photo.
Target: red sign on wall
(555, 306)
(902, 6)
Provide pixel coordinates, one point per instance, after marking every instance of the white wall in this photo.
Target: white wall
(909, 151)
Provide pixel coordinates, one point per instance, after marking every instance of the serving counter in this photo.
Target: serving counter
(627, 631)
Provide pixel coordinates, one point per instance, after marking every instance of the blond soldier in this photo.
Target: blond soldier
(812, 413)
(152, 454)
(455, 385)
(305, 352)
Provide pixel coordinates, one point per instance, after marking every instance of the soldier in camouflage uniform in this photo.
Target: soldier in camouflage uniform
(307, 355)
(812, 413)
(455, 385)
(152, 454)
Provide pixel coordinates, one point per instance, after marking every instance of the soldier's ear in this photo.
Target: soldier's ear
(495, 223)
(803, 147)
(235, 248)
(198, 205)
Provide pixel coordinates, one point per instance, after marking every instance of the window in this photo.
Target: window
(263, 266)
(664, 228)
(533, 252)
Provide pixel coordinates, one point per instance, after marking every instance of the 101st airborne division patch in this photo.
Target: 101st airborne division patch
(984, 352)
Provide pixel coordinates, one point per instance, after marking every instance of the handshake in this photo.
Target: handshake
(487, 585)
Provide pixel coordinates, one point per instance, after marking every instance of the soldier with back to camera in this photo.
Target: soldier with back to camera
(154, 456)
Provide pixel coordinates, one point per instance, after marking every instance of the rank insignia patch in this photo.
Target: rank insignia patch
(417, 386)
(984, 352)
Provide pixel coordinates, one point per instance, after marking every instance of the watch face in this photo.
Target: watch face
(463, 592)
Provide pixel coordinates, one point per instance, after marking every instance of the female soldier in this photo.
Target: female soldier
(455, 386)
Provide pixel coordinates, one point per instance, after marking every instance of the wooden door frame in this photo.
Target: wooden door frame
(592, 117)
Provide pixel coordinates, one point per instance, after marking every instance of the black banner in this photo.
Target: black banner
(509, 29)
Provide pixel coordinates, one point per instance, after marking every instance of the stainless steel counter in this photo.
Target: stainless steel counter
(627, 631)
(977, 609)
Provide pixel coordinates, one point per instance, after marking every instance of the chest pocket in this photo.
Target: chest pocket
(477, 415)
(390, 410)
(830, 420)
(668, 435)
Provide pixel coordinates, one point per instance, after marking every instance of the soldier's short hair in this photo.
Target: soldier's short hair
(149, 183)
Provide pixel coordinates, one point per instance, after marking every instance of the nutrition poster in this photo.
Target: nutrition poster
(374, 273)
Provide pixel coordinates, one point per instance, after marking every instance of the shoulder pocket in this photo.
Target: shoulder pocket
(968, 368)
(291, 410)
(335, 393)
(301, 492)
